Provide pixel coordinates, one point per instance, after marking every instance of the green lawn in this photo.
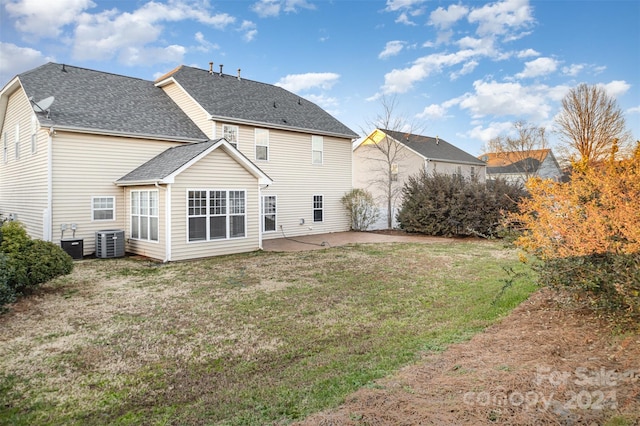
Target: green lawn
(241, 340)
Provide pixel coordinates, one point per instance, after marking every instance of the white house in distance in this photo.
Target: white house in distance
(412, 154)
(198, 163)
(518, 166)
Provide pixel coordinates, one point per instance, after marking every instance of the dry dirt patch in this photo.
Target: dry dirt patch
(546, 363)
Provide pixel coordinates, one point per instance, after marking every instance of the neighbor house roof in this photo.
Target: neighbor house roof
(165, 166)
(235, 99)
(434, 148)
(95, 101)
(515, 161)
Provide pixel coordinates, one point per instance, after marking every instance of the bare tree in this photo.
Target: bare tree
(525, 151)
(590, 123)
(384, 177)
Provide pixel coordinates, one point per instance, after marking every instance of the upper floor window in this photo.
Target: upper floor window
(230, 133)
(17, 141)
(103, 208)
(262, 144)
(394, 172)
(317, 146)
(34, 139)
(5, 147)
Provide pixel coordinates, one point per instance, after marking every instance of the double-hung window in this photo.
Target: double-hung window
(262, 144)
(230, 133)
(216, 214)
(318, 208)
(269, 213)
(317, 146)
(103, 208)
(144, 215)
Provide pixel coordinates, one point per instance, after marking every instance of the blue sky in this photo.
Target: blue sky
(463, 70)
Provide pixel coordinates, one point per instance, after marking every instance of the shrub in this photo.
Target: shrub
(48, 261)
(7, 292)
(26, 263)
(587, 231)
(439, 204)
(361, 209)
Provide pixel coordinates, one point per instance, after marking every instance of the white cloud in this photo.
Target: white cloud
(326, 102)
(615, 88)
(203, 44)
(634, 110)
(392, 48)
(494, 129)
(538, 67)
(506, 99)
(395, 5)
(467, 68)
(527, 53)
(15, 59)
(45, 21)
(273, 8)
(127, 35)
(299, 82)
(573, 69)
(402, 80)
(433, 112)
(403, 18)
(445, 18)
(502, 18)
(249, 29)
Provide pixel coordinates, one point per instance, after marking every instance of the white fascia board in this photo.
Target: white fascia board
(172, 80)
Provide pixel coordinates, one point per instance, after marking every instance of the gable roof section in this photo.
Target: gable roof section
(164, 167)
(434, 148)
(99, 102)
(513, 161)
(233, 99)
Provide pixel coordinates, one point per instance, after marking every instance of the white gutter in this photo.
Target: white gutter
(103, 132)
(268, 125)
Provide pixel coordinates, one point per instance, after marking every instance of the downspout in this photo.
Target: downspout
(167, 221)
(259, 217)
(49, 225)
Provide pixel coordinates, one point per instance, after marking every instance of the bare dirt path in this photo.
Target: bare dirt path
(546, 363)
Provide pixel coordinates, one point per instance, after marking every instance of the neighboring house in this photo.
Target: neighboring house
(519, 166)
(195, 164)
(410, 154)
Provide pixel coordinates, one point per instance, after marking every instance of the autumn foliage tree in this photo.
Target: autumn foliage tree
(587, 231)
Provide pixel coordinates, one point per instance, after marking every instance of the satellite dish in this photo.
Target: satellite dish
(43, 105)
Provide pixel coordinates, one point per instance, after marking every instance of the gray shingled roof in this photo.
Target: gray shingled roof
(228, 97)
(434, 148)
(167, 162)
(94, 100)
(527, 165)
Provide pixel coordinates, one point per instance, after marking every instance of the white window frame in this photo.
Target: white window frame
(17, 141)
(146, 212)
(34, 130)
(267, 212)
(317, 147)
(315, 208)
(394, 172)
(232, 134)
(95, 209)
(207, 212)
(261, 137)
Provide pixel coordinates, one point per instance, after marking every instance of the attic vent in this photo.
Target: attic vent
(221, 69)
(210, 67)
(109, 244)
(239, 74)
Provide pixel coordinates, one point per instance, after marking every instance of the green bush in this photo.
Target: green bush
(448, 205)
(7, 292)
(26, 263)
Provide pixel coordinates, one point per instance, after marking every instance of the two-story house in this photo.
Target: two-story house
(195, 164)
(384, 159)
(518, 166)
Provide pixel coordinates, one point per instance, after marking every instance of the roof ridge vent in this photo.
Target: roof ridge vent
(221, 69)
(211, 68)
(239, 74)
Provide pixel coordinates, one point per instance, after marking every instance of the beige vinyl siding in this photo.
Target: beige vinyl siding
(215, 171)
(23, 181)
(88, 165)
(153, 249)
(190, 107)
(296, 179)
